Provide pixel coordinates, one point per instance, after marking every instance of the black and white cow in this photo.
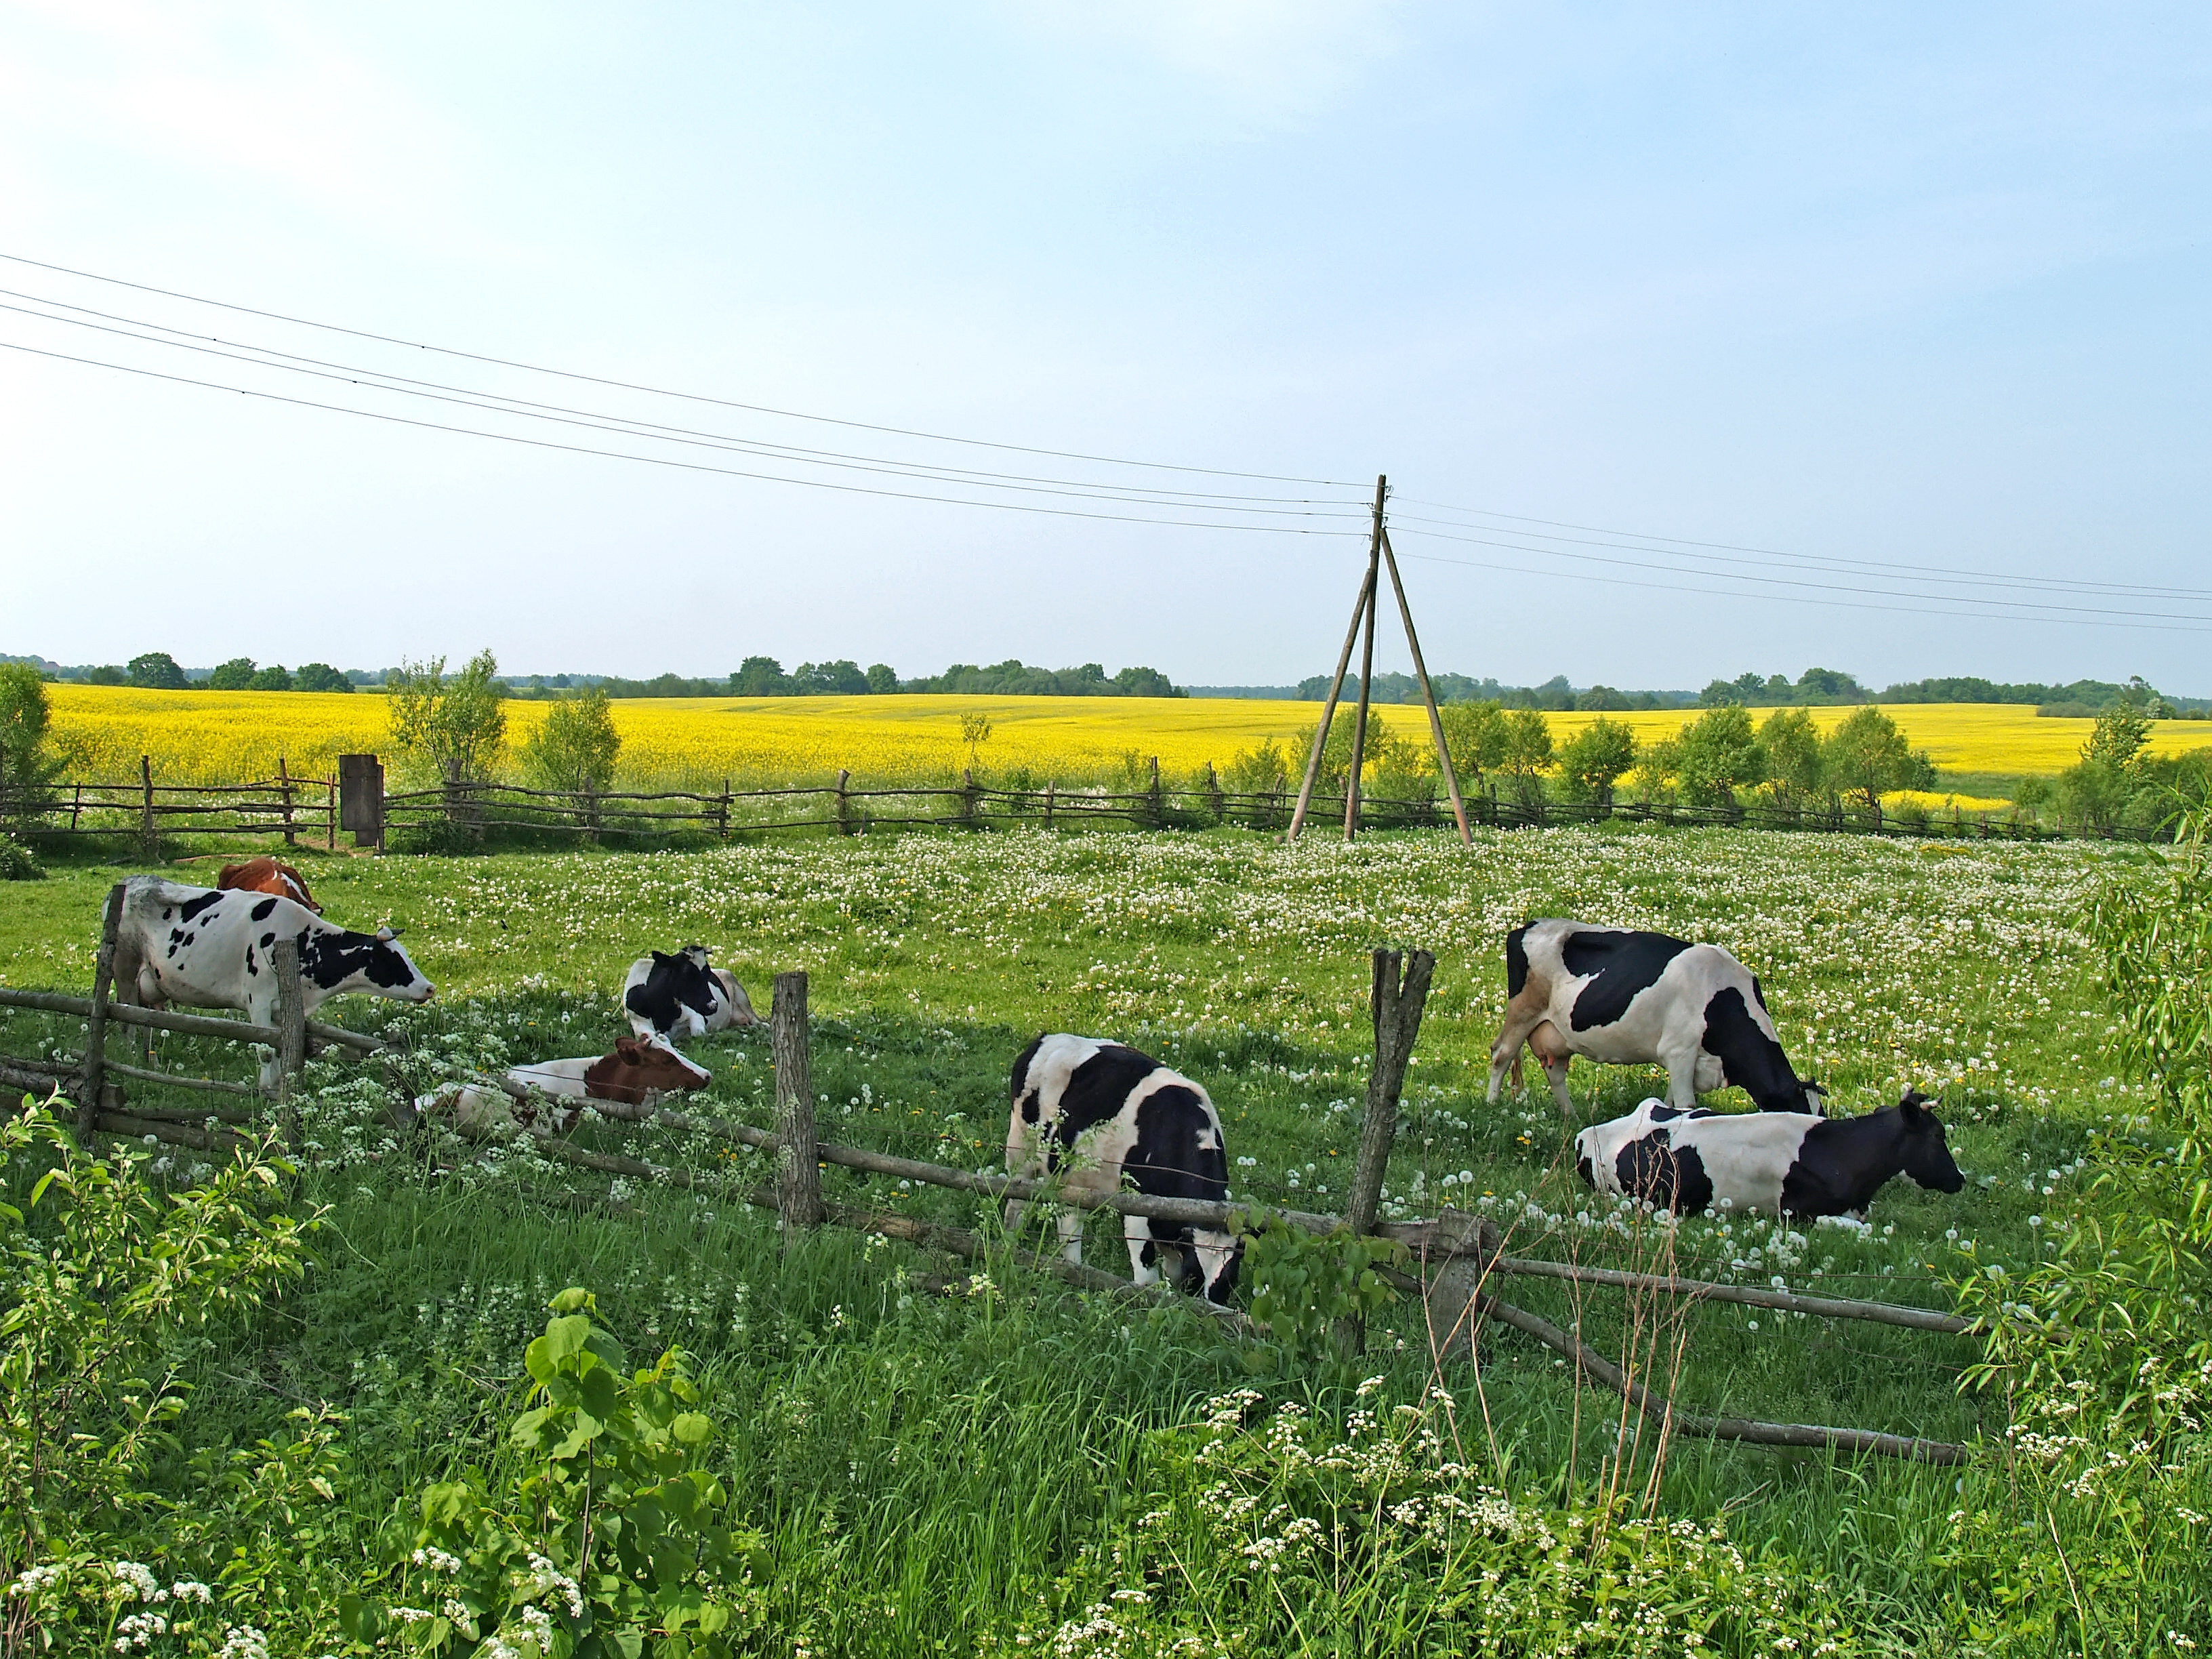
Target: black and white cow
(1627, 999)
(1774, 1163)
(204, 948)
(683, 995)
(1094, 1111)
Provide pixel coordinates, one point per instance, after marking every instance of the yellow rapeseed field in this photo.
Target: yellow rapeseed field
(230, 735)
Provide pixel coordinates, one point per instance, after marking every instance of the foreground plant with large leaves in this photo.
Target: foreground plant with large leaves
(609, 1534)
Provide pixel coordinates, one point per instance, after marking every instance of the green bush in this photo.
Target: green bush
(236, 674)
(576, 745)
(452, 728)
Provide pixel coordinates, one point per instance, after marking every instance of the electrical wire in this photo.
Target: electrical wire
(353, 372)
(681, 466)
(1634, 538)
(691, 397)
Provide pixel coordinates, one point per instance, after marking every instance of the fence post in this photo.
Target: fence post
(331, 813)
(291, 1034)
(76, 804)
(844, 804)
(798, 1172)
(1213, 792)
(725, 810)
(146, 818)
(284, 786)
(1396, 1004)
(1047, 803)
(1159, 820)
(95, 1040)
(971, 798)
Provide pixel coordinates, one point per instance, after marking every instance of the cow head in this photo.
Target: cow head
(1926, 1154)
(337, 959)
(639, 1067)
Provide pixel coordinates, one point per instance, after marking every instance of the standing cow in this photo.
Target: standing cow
(207, 949)
(1627, 999)
(681, 994)
(1095, 1111)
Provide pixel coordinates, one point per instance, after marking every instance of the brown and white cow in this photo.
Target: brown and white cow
(267, 875)
(637, 1074)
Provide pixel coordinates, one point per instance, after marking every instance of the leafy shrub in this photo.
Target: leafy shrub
(156, 671)
(611, 1534)
(1303, 1283)
(320, 676)
(1866, 757)
(576, 745)
(26, 770)
(1257, 771)
(1596, 759)
(236, 674)
(17, 863)
(454, 728)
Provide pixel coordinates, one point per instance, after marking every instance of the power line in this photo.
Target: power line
(691, 397)
(1791, 598)
(615, 424)
(2115, 589)
(1789, 582)
(506, 404)
(681, 465)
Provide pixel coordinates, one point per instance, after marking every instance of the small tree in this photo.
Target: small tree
(236, 674)
(882, 678)
(156, 671)
(25, 770)
(1720, 755)
(1383, 751)
(1257, 771)
(1475, 735)
(760, 677)
(320, 676)
(1868, 756)
(574, 746)
(456, 727)
(974, 732)
(272, 678)
(1528, 755)
(2117, 740)
(1794, 771)
(1595, 759)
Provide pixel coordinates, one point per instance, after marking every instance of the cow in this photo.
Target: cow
(1626, 999)
(1774, 1163)
(683, 995)
(267, 875)
(637, 1074)
(1094, 1112)
(205, 948)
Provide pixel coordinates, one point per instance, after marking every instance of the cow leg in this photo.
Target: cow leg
(1682, 1081)
(1071, 1236)
(1523, 1016)
(1143, 1252)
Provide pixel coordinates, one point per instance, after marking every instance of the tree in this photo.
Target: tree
(818, 680)
(1257, 771)
(1720, 755)
(108, 674)
(26, 771)
(760, 677)
(1528, 755)
(882, 678)
(1603, 697)
(156, 671)
(974, 732)
(454, 727)
(272, 678)
(235, 675)
(1383, 751)
(1868, 756)
(2119, 735)
(576, 745)
(320, 676)
(1595, 759)
(1475, 736)
(1792, 743)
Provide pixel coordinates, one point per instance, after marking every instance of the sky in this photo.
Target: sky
(1692, 340)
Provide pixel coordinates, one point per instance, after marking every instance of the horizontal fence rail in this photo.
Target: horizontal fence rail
(298, 807)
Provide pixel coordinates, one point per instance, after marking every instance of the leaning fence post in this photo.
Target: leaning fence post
(1397, 1005)
(725, 810)
(798, 1172)
(1158, 818)
(1047, 803)
(95, 1039)
(291, 1034)
(284, 786)
(844, 803)
(146, 818)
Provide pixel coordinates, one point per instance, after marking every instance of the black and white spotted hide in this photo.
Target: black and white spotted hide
(1092, 1112)
(681, 994)
(203, 948)
(1769, 1162)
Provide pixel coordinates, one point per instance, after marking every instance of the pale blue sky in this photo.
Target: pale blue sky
(1908, 284)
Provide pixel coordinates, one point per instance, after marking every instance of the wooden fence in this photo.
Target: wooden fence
(298, 807)
(1456, 1257)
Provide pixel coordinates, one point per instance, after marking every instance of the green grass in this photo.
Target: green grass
(924, 1464)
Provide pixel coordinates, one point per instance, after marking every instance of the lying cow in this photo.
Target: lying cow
(1096, 1112)
(637, 1074)
(1627, 999)
(207, 949)
(267, 875)
(1774, 1163)
(683, 995)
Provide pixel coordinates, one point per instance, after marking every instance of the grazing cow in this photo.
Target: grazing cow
(637, 1074)
(1775, 1163)
(208, 949)
(1097, 1111)
(1626, 999)
(267, 875)
(682, 996)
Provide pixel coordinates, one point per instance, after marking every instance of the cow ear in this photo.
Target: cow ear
(386, 935)
(1914, 1106)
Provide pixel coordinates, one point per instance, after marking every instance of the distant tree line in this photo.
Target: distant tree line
(764, 677)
